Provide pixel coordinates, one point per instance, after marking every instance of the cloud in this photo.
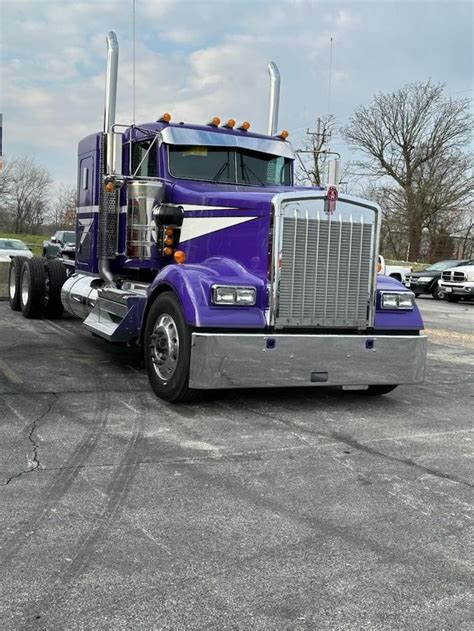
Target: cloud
(204, 58)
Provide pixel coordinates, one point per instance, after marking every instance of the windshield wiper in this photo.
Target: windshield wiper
(246, 170)
(220, 172)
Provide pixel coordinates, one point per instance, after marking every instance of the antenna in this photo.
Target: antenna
(330, 78)
(133, 61)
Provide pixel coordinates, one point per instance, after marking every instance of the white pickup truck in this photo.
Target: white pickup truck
(395, 271)
(457, 282)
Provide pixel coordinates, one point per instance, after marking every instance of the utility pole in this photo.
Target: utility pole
(318, 148)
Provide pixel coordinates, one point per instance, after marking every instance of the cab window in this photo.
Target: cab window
(144, 159)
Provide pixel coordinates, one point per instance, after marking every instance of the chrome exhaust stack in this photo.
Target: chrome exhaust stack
(108, 217)
(114, 145)
(111, 82)
(274, 104)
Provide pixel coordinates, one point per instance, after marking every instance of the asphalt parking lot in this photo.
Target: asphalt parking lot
(274, 509)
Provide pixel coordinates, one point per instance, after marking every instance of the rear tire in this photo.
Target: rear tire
(451, 298)
(55, 279)
(14, 282)
(167, 350)
(33, 288)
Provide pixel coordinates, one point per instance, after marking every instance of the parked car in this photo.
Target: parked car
(399, 272)
(62, 243)
(457, 282)
(15, 247)
(426, 282)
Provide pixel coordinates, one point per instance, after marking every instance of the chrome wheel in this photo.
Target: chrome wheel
(25, 287)
(164, 346)
(12, 282)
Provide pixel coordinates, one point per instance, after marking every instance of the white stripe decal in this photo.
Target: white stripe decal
(186, 208)
(87, 209)
(199, 226)
(190, 207)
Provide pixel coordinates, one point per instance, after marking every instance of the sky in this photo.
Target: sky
(204, 58)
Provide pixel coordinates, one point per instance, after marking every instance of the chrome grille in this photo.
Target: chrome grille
(459, 277)
(446, 276)
(325, 265)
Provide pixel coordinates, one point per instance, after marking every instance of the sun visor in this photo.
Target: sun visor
(198, 137)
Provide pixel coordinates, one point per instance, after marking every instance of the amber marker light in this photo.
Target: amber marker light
(110, 187)
(230, 124)
(179, 257)
(215, 122)
(169, 241)
(169, 232)
(284, 134)
(165, 118)
(245, 126)
(168, 251)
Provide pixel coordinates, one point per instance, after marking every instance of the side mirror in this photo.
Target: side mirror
(168, 215)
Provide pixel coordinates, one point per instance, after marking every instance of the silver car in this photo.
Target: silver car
(14, 247)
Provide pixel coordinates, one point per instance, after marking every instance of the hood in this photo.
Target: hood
(229, 195)
(432, 274)
(26, 253)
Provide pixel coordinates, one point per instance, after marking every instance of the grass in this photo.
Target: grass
(417, 267)
(33, 241)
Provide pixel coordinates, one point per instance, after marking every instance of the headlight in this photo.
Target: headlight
(227, 295)
(425, 279)
(399, 300)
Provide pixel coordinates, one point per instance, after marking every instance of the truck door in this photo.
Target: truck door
(87, 215)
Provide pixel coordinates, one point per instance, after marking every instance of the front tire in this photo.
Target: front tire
(167, 349)
(436, 292)
(14, 282)
(33, 288)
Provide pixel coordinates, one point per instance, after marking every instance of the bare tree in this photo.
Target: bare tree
(25, 188)
(64, 208)
(414, 136)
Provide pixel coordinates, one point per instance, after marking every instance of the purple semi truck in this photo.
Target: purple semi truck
(194, 242)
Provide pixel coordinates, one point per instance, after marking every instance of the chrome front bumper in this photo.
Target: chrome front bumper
(229, 360)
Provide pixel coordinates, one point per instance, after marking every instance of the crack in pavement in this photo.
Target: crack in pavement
(35, 461)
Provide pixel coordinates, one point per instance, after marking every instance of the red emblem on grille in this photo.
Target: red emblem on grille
(331, 199)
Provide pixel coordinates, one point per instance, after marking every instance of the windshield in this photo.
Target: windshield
(69, 237)
(437, 267)
(229, 165)
(12, 244)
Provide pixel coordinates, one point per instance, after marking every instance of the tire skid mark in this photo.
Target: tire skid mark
(84, 551)
(62, 481)
(351, 442)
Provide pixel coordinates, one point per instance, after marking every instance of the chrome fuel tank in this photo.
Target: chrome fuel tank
(79, 294)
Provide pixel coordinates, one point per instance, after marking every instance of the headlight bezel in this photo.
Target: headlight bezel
(236, 297)
(395, 296)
